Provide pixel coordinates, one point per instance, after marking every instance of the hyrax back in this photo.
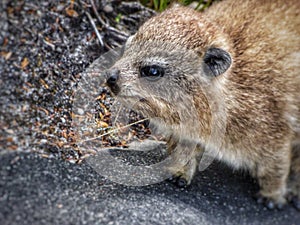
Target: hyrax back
(232, 72)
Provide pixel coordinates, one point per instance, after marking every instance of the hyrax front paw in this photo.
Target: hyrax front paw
(269, 202)
(183, 177)
(273, 182)
(180, 180)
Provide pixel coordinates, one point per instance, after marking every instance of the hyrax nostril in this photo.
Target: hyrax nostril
(113, 76)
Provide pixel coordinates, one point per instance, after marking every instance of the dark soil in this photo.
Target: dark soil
(36, 190)
(44, 48)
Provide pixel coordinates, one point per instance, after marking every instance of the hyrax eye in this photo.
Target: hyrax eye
(152, 73)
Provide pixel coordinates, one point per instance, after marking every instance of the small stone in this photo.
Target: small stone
(108, 9)
(80, 111)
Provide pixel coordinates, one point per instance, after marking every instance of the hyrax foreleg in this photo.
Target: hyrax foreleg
(272, 177)
(183, 170)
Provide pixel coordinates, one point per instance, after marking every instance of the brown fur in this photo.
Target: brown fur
(260, 90)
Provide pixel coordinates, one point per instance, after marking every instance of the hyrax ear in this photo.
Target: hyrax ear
(216, 61)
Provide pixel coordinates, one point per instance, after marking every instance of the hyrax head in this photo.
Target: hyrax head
(170, 66)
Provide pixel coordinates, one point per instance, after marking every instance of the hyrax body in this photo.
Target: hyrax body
(228, 80)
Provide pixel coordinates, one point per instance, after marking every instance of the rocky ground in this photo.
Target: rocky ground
(45, 178)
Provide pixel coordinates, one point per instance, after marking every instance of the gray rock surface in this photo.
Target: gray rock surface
(37, 190)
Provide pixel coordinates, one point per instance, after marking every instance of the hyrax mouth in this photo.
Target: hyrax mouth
(158, 108)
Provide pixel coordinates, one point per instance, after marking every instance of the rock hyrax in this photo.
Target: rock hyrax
(228, 80)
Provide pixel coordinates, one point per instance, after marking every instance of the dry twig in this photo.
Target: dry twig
(112, 131)
(116, 33)
(92, 23)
